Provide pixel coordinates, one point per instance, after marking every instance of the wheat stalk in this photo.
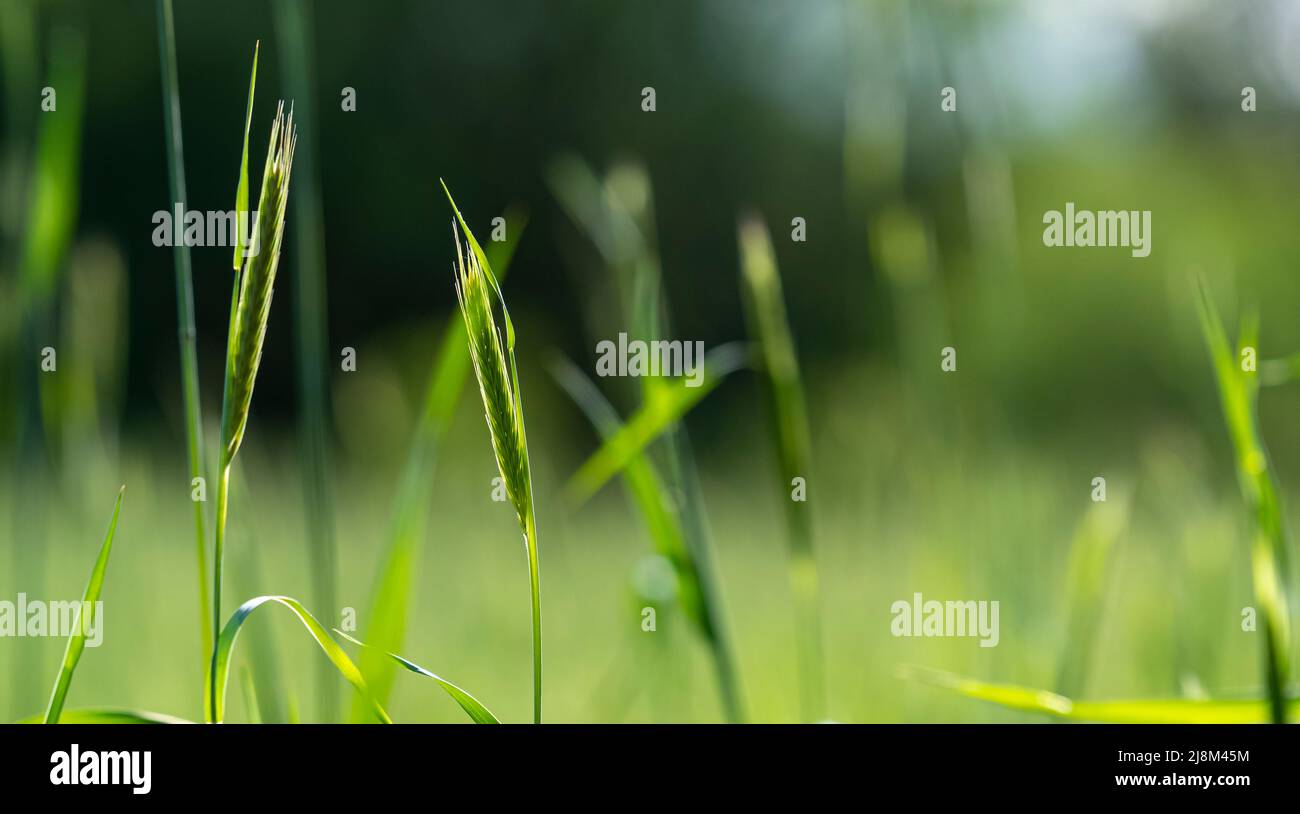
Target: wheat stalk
(250, 308)
(493, 357)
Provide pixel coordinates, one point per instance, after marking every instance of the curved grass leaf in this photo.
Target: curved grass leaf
(1160, 710)
(109, 715)
(662, 408)
(85, 618)
(226, 642)
(478, 713)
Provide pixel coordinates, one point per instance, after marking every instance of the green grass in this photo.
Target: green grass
(1149, 711)
(768, 324)
(1086, 583)
(477, 713)
(250, 310)
(493, 358)
(187, 334)
(665, 406)
(1270, 546)
(230, 634)
(655, 503)
(295, 32)
(617, 215)
(84, 620)
(390, 600)
(1238, 386)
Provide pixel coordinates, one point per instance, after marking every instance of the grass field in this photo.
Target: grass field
(946, 388)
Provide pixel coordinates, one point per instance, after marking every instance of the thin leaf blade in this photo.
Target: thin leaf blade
(241, 191)
(84, 619)
(478, 713)
(663, 408)
(220, 673)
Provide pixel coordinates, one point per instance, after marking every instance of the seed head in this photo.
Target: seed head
(494, 367)
(252, 307)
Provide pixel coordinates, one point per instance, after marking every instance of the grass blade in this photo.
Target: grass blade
(770, 327)
(85, 618)
(56, 181)
(241, 190)
(664, 406)
(478, 713)
(109, 715)
(186, 333)
(495, 368)
(311, 334)
(1152, 711)
(617, 214)
(220, 672)
(1269, 551)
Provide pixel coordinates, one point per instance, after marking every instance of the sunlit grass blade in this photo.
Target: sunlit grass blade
(1085, 588)
(230, 634)
(493, 358)
(296, 34)
(1270, 546)
(85, 619)
(664, 406)
(241, 190)
(478, 713)
(391, 597)
(1149, 711)
(770, 328)
(105, 715)
(186, 332)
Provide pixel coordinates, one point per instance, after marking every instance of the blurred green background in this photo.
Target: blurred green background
(924, 230)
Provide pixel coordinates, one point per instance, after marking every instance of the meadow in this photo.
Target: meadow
(940, 385)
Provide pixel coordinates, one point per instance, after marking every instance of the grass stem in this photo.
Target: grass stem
(186, 333)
